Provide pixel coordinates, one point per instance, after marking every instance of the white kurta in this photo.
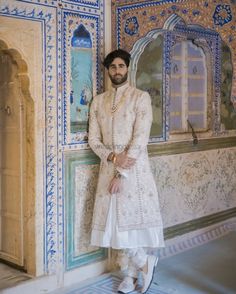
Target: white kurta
(132, 217)
(112, 237)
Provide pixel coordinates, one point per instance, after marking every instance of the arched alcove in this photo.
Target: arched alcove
(17, 162)
(150, 71)
(179, 66)
(81, 85)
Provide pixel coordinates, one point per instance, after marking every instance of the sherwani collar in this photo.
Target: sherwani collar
(120, 90)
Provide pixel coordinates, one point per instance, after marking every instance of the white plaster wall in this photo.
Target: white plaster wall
(25, 37)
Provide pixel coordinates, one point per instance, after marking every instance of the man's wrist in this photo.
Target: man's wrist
(112, 157)
(118, 175)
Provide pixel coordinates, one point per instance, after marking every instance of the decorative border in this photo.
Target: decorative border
(166, 86)
(47, 3)
(76, 4)
(84, 3)
(71, 161)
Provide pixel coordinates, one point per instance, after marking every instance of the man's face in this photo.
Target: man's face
(118, 71)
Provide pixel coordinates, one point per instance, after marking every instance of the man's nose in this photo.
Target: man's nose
(117, 70)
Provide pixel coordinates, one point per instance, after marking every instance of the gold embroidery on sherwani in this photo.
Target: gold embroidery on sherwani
(110, 104)
(129, 128)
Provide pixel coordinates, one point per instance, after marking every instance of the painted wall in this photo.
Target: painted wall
(191, 185)
(134, 19)
(47, 35)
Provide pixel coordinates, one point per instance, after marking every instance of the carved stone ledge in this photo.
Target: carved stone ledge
(169, 148)
(199, 223)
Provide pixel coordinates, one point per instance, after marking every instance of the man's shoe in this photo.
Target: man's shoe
(127, 285)
(147, 278)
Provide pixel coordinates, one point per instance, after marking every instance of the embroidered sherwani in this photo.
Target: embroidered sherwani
(121, 120)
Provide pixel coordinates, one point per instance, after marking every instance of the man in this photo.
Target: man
(126, 212)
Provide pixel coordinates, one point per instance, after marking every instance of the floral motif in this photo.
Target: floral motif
(225, 185)
(131, 26)
(194, 181)
(222, 14)
(85, 188)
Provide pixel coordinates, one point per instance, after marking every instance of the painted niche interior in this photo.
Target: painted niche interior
(81, 81)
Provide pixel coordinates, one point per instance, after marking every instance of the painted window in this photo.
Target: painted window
(188, 88)
(180, 68)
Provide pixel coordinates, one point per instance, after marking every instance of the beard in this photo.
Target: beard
(118, 79)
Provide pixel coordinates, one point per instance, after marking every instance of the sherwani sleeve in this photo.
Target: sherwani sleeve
(95, 136)
(142, 126)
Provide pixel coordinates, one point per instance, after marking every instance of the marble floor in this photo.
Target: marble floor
(209, 268)
(206, 269)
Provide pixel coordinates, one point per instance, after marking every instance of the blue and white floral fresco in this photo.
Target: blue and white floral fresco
(81, 81)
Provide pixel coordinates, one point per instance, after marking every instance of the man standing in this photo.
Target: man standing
(126, 212)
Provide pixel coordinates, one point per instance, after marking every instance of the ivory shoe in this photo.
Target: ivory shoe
(127, 285)
(147, 278)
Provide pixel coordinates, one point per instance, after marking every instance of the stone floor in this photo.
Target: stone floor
(10, 277)
(207, 268)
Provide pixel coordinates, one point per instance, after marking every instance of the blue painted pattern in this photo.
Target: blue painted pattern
(46, 18)
(131, 26)
(222, 15)
(92, 4)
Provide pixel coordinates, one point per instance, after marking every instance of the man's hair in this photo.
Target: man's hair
(114, 54)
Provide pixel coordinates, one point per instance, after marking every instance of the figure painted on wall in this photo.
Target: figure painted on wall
(228, 113)
(149, 78)
(126, 212)
(81, 82)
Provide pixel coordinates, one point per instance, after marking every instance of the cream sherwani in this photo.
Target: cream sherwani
(121, 120)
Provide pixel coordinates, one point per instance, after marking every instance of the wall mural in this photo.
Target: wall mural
(228, 114)
(135, 20)
(81, 174)
(195, 184)
(149, 78)
(70, 29)
(81, 86)
(82, 76)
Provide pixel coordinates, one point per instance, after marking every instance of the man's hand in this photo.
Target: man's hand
(123, 161)
(115, 186)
